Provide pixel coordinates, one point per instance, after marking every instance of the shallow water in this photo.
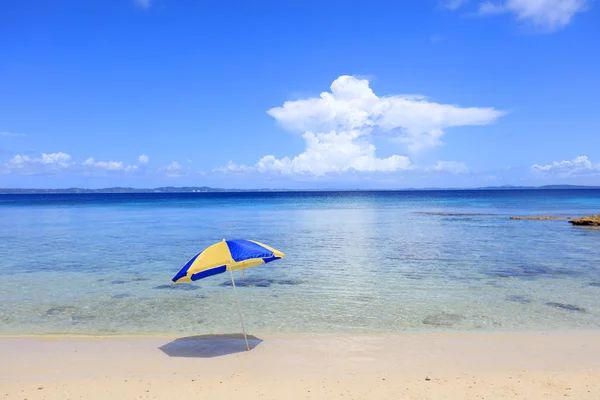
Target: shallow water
(355, 262)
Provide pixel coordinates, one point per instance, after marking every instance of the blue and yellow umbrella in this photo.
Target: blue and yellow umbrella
(228, 255)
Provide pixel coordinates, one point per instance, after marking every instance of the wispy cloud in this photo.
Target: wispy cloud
(451, 166)
(144, 4)
(453, 4)
(338, 127)
(47, 162)
(11, 134)
(173, 170)
(436, 38)
(547, 15)
(54, 163)
(143, 159)
(578, 166)
(109, 165)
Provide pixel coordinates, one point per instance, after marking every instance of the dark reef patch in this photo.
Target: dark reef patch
(179, 286)
(531, 271)
(60, 310)
(78, 319)
(443, 319)
(454, 214)
(564, 306)
(518, 299)
(261, 282)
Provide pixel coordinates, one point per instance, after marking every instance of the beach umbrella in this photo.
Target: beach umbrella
(227, 255)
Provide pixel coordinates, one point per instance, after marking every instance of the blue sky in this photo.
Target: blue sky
(311, 94)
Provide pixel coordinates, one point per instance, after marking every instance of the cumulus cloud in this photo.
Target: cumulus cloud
(109, 165)
(173, 170)
(55, 162)
(145, 4)
(333, 152)
(143, 159)
(47, 162)
(578, 166)
(338, 127)
(549, 15)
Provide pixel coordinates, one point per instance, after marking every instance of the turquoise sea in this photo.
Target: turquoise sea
(356, 262)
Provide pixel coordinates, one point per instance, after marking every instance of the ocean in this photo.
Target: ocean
(356, 262)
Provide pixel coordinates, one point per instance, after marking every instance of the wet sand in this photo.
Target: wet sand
(532, 365)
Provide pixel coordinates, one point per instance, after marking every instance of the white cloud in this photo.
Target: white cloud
(173, 170)
(145, 4)
(55, 162)
(60, 159)
(488, 8)
(26, 165)
(578, 166)
(338, 127)
(233, 167)
(143, 159)
(333, 152)
(18, 161)
(451, 166)
(546, 14)
(109, 165)
(453, 4)
(352, 109)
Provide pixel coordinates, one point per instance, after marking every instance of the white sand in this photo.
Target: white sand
(460, 366)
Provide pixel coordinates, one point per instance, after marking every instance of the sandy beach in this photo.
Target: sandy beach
(401, 366)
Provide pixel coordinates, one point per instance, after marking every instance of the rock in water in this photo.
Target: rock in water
(589, 220)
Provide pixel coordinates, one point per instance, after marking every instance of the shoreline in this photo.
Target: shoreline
(300, 335)
(412, 365)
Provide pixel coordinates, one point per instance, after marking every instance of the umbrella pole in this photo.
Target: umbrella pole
(239, 309)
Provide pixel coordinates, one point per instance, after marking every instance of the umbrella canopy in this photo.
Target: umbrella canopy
(229, 255)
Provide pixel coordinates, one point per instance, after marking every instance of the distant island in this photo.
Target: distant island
(206, 189)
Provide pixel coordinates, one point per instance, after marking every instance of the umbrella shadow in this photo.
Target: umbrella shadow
(208, 346)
